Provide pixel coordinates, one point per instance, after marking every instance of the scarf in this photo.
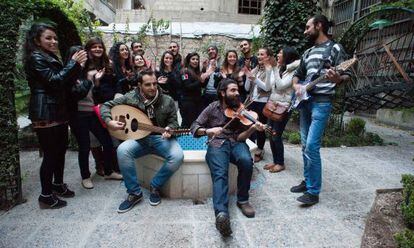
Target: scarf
(149, 104)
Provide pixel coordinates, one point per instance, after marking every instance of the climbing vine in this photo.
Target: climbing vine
(284, 21)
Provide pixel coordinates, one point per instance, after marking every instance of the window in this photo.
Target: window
(251, 7)
(137, 5)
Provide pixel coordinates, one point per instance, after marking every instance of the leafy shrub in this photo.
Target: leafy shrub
(294, 138)
(407, 207)
(405, 239)
(373, 139)
(356, 126)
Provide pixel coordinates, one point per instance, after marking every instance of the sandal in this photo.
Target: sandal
(277, 168)
(269, 166)
(258, 156)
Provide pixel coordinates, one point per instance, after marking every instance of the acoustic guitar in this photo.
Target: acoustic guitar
(308, 85)
(137, 124)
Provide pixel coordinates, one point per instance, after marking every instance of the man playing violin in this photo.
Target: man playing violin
(227, 145)
(160, 108)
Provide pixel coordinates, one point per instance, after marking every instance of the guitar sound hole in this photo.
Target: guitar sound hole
(134, 125)
(127, 116)
(126, 130)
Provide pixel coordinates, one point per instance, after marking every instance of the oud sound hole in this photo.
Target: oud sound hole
(134, 125)
(126, 130)
(127, 116)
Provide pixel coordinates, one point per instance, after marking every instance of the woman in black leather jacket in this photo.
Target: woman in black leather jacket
(48, 79)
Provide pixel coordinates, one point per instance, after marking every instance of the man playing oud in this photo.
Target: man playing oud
(160, 108)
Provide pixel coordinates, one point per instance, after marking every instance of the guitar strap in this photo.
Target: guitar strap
(325, 58)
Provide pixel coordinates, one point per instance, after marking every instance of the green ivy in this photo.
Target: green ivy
(284, 21)
(13, 15)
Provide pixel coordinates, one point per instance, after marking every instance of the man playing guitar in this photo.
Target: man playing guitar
(315, 112)
(225, 146)
(160, 108)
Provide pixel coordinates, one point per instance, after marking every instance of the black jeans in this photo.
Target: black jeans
(190, 109)
(81, 124)
(53, 141)
(260, 136)
(276, 142)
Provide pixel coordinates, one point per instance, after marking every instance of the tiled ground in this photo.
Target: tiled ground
(350, 178)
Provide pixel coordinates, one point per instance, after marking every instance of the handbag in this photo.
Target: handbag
(275, 111)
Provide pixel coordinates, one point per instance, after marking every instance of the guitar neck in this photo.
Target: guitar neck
(310, 85)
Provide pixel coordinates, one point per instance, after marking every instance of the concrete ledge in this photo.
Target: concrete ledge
(191, 181)
(401, 119)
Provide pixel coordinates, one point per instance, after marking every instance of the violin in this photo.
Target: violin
(246, 117)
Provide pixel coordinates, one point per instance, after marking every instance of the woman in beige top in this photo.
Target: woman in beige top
(287, 62)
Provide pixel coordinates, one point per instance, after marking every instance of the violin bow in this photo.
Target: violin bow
(247, 103)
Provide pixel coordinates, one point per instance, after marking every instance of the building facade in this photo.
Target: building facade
(233, 11)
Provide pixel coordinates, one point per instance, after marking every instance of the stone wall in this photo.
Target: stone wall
(188, 45)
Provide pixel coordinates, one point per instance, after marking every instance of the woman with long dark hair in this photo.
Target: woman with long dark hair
(48, 80)
(230, 69)
(99, 71)
(168, 76)
(259, 93)
(287, 62)
(191, 102)
(121, 63)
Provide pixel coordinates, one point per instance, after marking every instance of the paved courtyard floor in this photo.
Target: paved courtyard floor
(350, 178)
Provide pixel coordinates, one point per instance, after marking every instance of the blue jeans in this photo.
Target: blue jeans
(218, 160)
(129, 150)
(313, 119)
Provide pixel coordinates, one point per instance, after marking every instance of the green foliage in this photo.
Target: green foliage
(405, 239)
(284, 22)
(355, 127)
(407, 206)
(294, 138)
(401, 3)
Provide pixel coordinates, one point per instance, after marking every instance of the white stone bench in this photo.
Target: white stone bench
(191, 181)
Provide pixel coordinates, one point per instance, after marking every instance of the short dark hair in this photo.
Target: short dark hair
(148, 72)
(133, 42)
(222, 87)
(323, 20)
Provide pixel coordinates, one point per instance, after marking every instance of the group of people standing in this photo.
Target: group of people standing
(68, 93)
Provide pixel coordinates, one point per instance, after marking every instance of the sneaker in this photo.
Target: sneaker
(87, 183)
(62, 190)
(299, 188)
(51, 202)
(246, 209)
(223, 224)
(129, 203)
(308, 199)
(114, 176)
(155, 197)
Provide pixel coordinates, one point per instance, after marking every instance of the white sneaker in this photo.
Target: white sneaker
(114, 176)
(87, 183)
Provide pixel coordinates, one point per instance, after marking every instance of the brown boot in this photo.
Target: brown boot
(246, 209)
(97, 154)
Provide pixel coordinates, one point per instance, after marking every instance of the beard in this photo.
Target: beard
(313, 36)
(232, 102)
